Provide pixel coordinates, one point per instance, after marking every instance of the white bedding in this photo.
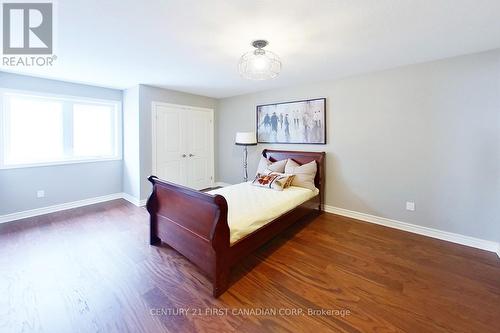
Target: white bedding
(251, 207)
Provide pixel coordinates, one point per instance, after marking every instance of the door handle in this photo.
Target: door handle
(183, 155)
(191, 155)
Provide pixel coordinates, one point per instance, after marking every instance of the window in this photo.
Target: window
(39, 130)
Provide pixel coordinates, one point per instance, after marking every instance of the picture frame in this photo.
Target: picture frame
(295, 122)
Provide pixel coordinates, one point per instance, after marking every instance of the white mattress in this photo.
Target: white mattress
(251, 207)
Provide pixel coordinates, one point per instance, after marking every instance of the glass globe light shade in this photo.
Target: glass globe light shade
(259, 64)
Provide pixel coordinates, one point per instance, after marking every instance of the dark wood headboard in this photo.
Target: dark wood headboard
(302, 157)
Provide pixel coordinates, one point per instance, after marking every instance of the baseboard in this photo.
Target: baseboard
(133, 200)
(57, 208)
(70, 205)
(222, 184)
(425, 231)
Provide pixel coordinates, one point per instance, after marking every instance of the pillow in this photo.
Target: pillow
(288, 180)
(304, 174)
(275, 181)
(266, 166)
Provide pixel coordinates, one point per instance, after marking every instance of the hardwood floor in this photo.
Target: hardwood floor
(91, 270)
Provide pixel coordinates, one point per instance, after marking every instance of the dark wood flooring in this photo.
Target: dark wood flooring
(91, 270)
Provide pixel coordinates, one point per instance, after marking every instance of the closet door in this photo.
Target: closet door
(183, 145)
(200, 149)
(170, 160)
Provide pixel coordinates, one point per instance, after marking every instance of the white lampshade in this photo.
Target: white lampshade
(245, 139)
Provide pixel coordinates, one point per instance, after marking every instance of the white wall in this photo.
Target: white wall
(131, 149)
(428, 133)
(62, 183)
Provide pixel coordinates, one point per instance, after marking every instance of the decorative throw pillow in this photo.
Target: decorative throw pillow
(274, 181)
(304, 174)
(287, 178)
(266, 166)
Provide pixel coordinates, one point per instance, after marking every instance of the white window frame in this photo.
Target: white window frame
(68, 98)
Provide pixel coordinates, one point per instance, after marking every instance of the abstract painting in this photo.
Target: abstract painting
(300, 122)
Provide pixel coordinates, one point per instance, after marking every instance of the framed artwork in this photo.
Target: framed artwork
(299, 122)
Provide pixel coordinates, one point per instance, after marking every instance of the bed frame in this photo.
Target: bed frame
(195, 223)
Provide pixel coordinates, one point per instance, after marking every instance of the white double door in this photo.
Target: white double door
(183, 139)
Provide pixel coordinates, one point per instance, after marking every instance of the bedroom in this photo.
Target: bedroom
(376, 125)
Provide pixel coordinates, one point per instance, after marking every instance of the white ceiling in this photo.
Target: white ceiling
(194, 45)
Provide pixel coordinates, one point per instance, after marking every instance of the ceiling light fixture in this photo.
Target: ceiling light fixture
(259, 64)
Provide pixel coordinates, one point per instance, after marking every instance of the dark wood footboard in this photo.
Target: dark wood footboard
(195, 223)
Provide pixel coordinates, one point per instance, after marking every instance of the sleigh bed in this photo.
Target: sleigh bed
(196, 223)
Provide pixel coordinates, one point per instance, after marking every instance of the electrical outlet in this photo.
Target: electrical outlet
(410, 205)
(40, 194)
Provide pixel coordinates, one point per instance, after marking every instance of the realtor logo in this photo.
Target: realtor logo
(27, 28)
